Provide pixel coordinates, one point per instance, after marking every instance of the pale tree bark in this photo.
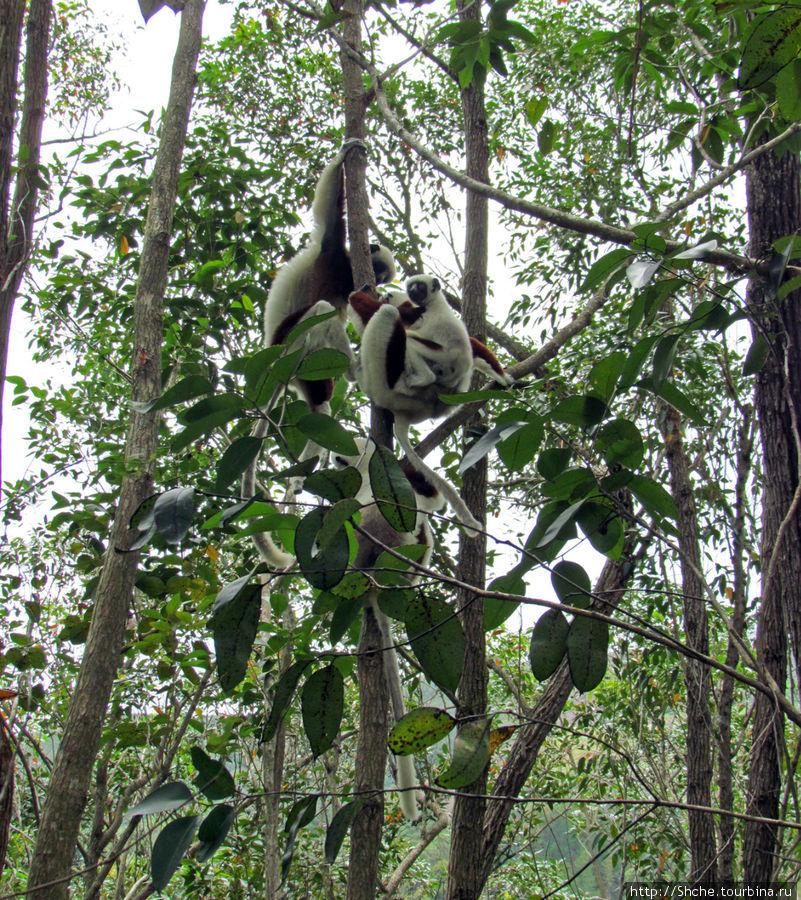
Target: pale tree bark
(697, 678)
(773, 195)
(371, 747)
(72, 768)
(464, 864)
(16, 216)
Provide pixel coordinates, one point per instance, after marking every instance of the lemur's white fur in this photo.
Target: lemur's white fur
(406, 369)
(376, 526)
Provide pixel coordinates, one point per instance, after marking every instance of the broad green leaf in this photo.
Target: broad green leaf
(710, 315)
(603, 528)
(186, 389)
(548, 644)
(587, 643)
(553, 462)
(641, 271)
(339, 827)
(603, 376)
(486, 442)
(213, 831)
(635, 361)
(517, 450)
(604, 268)
(236, 459)
(663, 358)
(584, 410)
(418, 729)
(757, 355)
(322, 704)
(699, 251)
(284, 692)
(653, 496)
(437, 639)
(772, 41)
(535, 109)
(571, 485)
(620, 443)
(323, 567)
(334, 484)
(213, 780)
(344, 615)
(163, 799)
(301, 814)
(496, 610)
(680, 401)
(173, 512)
(169, 848)
(234, 623)
(469, 758)
(323, 363)
(392, 491)
(328, 433)
(333, 526)
(556, 528)
(546, 137)
(572, 584)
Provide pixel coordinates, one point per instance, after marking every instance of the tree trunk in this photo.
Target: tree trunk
(467, 833)
(745, 446)
(72, 769)
(773, 194)
(6, 788)
(16, 221)
(703, 849)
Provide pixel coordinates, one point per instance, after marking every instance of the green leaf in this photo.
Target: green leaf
(163, 799)
(572, 584)
(584, 410)
(587, 644)
(206, 416)
(604, 268)
(772, 41)
(323, 363)
(234, 622)
(620, 443)
(334, 484)
(338, 829)
(663, 358)
(301, 814)
(173, 512)
(328, 433)
(186, 389)
(603, 376)
(635, 361)
(437, 640)
(518, 450)
(322, 566)
(535, 109)
(757, 355)
(653, 497)
(496, 610)
(603, 528)
(548, 644)
(551, 463)
(418, 729)
(213, 780)
(486, 442)
(546, 137)
(169, 848)
(322, 704)
(392, 491)
(680, 401)
(213, 831)
(284, 692)
(471, 750)
(236, 459)
(555, 529)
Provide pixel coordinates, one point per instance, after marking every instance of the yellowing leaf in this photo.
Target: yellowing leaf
(123, 245)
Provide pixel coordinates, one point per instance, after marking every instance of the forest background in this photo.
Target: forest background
(176, 717)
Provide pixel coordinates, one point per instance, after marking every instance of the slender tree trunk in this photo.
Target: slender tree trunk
(6, 788)
(745, 446)
(72, 769)
(773, 194)
(16, 221)
(703, 848)
(464, 864)
(371, 749)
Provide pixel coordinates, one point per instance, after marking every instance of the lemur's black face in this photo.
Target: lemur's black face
(419, 290)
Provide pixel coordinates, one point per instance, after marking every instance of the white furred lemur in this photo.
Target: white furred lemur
(414, 348)
(317, 280)
(375, 535)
